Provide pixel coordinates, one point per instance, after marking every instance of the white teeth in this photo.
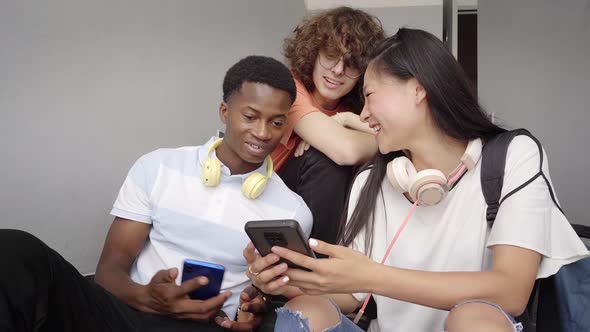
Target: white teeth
(255, 146)
(377, 129)
(330, 81)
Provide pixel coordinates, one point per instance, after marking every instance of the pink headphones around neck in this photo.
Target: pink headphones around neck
(430, 186)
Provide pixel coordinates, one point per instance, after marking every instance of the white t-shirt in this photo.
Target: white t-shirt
(189, 220)
(454, 235)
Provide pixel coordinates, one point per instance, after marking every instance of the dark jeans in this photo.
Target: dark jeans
(323, 185)
(41, 291)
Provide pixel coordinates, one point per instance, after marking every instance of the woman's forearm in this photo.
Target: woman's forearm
(443, 290)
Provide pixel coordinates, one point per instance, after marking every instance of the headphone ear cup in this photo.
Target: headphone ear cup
(428, 187)
(254, 185)
(398, 172)
(472, 153)
(211, 173)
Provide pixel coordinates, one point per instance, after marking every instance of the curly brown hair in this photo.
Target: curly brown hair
(342, 31)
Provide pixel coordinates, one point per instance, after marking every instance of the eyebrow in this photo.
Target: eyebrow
(284, 116)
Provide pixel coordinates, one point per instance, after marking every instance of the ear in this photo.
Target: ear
(223, 112)
(419, 92)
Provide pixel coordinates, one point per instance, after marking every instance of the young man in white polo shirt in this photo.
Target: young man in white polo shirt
(168, 209)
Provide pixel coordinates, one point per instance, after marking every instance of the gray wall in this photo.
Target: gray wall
(427, 18)
(88, 86)
(534, 72)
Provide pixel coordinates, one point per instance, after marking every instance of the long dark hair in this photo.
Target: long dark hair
(453, 106)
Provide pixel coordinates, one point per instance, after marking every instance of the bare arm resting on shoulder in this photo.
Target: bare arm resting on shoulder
(343, 145)
(352, 121)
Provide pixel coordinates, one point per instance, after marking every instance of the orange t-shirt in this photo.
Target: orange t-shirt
(303, 105)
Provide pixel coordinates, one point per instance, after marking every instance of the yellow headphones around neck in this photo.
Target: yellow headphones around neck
(252, 186)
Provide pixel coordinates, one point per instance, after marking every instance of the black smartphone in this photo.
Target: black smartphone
(193, 268)
(282, 233)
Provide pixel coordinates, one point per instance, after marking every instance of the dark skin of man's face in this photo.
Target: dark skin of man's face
(255, 117)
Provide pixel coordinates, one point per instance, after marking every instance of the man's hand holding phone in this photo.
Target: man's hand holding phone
(163, 296)
(250, 313)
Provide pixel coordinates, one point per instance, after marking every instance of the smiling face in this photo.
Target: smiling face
(393, 108)
(255, 118)
(331, 83)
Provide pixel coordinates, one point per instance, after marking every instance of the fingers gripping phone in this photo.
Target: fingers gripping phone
(192, 268)
(283, 233)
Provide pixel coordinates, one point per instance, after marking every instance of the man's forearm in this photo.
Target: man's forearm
(117, 281)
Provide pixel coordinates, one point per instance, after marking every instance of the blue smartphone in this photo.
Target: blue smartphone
(193, 268)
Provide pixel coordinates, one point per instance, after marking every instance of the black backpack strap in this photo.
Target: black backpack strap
(493, 162)
(582, 230)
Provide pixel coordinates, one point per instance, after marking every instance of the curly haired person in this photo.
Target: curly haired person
(327, 54)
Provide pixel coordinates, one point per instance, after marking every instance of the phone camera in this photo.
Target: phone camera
(275, 239)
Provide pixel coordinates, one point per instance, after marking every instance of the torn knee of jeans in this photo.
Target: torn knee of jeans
(292, 318)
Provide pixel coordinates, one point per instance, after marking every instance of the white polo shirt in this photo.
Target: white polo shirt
(189, 220)
(454, 235)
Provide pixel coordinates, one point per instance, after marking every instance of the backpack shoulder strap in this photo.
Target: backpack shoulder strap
(493, 163)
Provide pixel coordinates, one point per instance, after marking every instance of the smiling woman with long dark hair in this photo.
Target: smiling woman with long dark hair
(449, 270)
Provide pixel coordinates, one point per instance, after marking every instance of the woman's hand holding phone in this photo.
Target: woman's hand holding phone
(344, 271)
(264, 273)
(163, 296)
(266, 234)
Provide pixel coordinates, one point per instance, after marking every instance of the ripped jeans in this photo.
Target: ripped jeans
(289, 320)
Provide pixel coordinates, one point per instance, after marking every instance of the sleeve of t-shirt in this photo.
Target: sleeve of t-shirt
(300, 108)
(529, 218)
(133, 201)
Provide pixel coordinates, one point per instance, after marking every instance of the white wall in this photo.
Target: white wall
(534, 72)
(393, 14)
(427, 18)
(89, 86)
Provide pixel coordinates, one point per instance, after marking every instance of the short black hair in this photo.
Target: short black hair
(259, 69)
